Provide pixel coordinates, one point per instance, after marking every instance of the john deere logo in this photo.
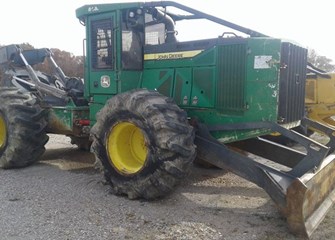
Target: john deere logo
(172, 55)
(105, 81)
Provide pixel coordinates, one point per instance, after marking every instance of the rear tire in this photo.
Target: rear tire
(22, 128)
(144, 143)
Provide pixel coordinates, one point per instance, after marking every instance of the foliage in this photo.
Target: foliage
(26, 46)
(320, 62)
(72, 66)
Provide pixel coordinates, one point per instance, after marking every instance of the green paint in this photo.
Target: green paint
(63, 120)
(229, 82)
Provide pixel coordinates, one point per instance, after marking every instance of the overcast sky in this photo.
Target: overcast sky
(53, 24)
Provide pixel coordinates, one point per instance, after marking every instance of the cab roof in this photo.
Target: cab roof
(92, 9)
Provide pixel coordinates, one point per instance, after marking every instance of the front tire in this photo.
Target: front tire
(144, 143)
(22, 128)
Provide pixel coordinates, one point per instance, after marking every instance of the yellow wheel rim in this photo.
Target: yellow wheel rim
(3, 132)
(127, 148)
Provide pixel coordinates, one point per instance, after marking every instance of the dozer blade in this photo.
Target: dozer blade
(303, 184)
(310, 197)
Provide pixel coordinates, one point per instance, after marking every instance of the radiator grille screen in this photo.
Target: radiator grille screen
(292, 83)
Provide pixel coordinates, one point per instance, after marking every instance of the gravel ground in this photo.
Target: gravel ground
(63, 197)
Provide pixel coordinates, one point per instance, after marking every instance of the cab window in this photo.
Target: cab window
(102, 44)
(132, 39)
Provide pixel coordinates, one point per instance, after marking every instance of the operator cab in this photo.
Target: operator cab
(123, 40)
(144, 26)
(139, 27)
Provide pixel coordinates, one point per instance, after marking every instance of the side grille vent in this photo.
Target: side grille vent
(232, 74)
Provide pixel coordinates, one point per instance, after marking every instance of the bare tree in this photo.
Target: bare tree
(320, 62)
(72, 65)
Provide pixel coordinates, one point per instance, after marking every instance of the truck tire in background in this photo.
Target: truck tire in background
(144, 143)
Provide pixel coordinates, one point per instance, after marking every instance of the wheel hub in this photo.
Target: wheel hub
(3, 132)
(126, 148)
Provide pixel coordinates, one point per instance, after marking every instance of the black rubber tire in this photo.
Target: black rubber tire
(169, 141)
(25, 124)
